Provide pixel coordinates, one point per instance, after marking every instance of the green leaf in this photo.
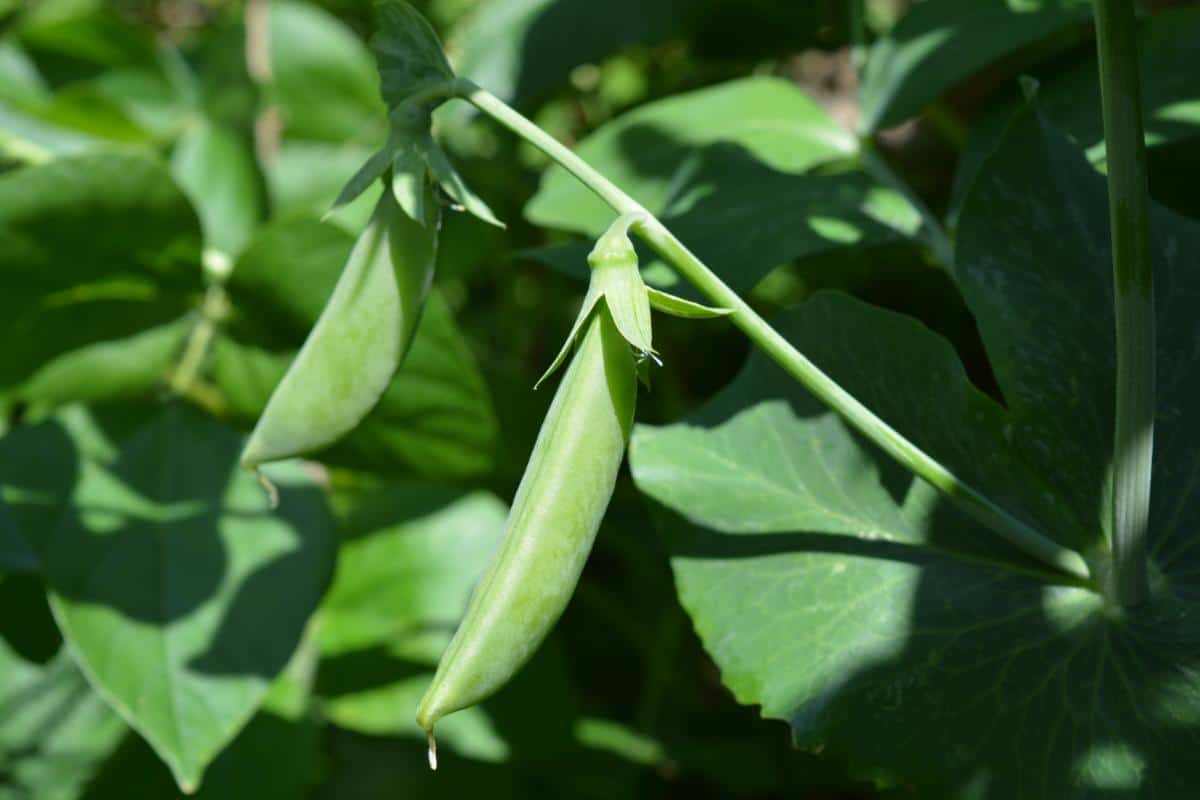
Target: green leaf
(408, 52)
(323, 76)
(306, 178)
(523, 49)
(178, 592)
(744, 218)
(845, 597)
(217, 171)
(436, 417)
(648, 151)
(99, 258)
(276, 755)
(678, 307)
(15, 553)
(939, 43)
(447, 177)
(1070, 98)
(55, 732)
(413, 553)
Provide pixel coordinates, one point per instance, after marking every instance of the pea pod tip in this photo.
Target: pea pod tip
(432, 750)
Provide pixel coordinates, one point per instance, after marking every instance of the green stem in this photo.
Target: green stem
(199, 341)
(778, 348)
(1133, 295)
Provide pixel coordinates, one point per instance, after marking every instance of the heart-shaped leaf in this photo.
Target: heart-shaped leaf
(412, 554)
(846, 597)
(177, 590)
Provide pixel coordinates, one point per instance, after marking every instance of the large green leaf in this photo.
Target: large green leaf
(847, 598)
(276, 755)
(412, 554)
(1071, 98)
(436, 417)
(647, 151)
(99, 258)
(54, 731)
(941, 42)
(178, 592)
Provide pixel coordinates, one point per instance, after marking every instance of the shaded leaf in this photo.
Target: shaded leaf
(1071, 98)
(99, 259)
(178, 592)
(409, 54)
(647, 151)
(845, 597)
(939, 43)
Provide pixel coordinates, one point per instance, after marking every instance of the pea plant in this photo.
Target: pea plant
(278, 512)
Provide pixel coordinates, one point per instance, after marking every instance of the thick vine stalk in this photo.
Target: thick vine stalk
(1133, 295)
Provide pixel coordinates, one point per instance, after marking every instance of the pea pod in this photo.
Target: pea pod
(357, 343)
(555, 515)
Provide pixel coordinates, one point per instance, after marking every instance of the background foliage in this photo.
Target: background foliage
(161, 628)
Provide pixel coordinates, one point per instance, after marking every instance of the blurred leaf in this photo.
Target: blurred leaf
(72, 37)
(412, 552)
(436, 418)
(648, 151)
(1070, 98)
(15, 553)
(19, 76)
(181, 595)
(306, 177)
(847, 598)
(744, 218)
(940, 43)
(324, 77)
(107, 370)
(276, 755)
(522, 49)
(409, 53)
(216, 169)
(98, 261)
(54, 731)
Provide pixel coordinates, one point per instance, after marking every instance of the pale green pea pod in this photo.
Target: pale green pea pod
(357, 343)
(557, 510)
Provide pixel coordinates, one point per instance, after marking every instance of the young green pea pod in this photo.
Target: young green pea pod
(555, 515)
(566, 486)
(357, 343)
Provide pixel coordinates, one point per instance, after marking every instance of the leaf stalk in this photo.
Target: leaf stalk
(1133, 295)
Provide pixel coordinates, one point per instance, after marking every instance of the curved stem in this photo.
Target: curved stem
(778, 348)
(1133, 295)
